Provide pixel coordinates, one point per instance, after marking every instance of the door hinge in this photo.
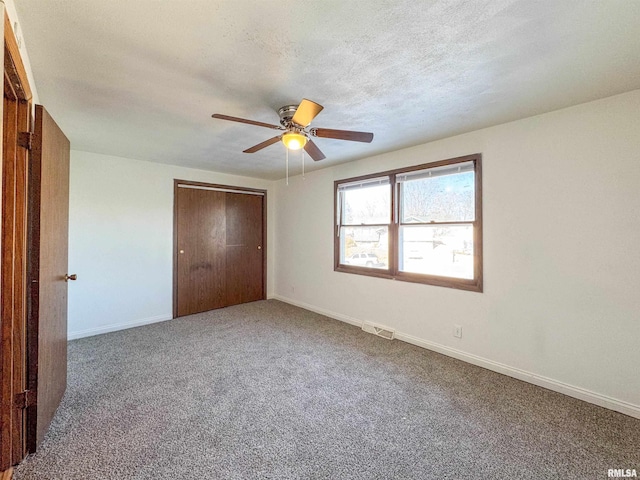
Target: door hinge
(25, 140)
(25, 399)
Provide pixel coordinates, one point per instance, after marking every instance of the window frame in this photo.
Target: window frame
(393, 273)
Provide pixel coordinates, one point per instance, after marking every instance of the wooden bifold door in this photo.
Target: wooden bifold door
(219, 248)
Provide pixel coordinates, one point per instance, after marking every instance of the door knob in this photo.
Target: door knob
(68, 277)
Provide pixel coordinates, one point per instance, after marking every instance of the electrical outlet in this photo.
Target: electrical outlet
(457, 331)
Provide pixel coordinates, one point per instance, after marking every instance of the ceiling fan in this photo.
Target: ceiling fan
(294, 122)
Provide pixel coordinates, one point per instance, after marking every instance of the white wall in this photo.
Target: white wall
(561, 305)
(121, 240)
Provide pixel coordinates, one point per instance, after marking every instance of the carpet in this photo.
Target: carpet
(271, 391)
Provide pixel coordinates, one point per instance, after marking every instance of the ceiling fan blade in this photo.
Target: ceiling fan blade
(262, 145)
(313, 151)
(365, 137)
(244, 120)
(306, 111)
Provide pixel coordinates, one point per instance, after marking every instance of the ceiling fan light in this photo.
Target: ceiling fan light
(294, 141)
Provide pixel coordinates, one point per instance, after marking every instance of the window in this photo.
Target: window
(365, 214)
(419, 224)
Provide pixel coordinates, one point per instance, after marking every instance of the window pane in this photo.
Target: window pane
(367, 205)
(443, 198)
(443, 251)
(365, 246)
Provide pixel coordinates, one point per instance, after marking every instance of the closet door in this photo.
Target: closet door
(201, 260)
(244, 259)
(218, 242)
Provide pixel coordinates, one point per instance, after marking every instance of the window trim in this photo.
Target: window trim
(393, 272)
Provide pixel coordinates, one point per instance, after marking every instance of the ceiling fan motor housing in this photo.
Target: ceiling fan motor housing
(286, 113)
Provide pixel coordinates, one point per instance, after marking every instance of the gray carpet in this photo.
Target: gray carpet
(268, 390)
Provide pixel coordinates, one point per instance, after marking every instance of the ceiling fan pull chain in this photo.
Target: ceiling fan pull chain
(287, 164)
(302, 164)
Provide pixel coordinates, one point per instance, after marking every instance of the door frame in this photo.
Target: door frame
(225, 188)
(13, 284)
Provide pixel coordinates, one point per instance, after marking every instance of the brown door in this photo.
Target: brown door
(219, 242)
(47, 300)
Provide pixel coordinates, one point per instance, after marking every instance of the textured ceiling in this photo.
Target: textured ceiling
(140, 79)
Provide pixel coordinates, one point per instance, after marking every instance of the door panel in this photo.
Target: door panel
(48, 262)
(9, 424)
(219, 258)
(244, 248)
(201, 256)
(20, 279)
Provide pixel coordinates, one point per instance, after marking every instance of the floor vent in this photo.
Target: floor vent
(383, 332)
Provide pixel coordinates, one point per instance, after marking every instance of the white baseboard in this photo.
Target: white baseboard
(321, 311)
(549, 383)
(90, 332)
